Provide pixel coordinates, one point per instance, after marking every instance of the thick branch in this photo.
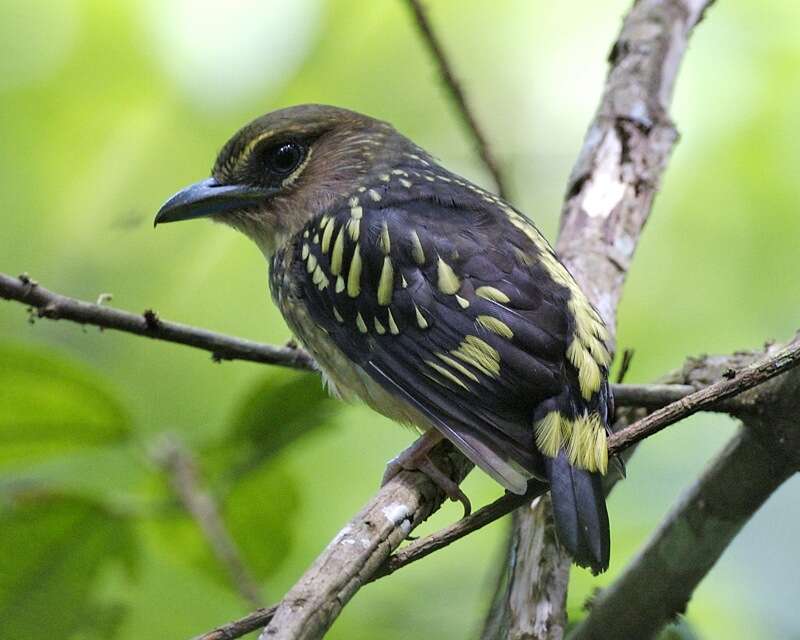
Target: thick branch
(360, 548)
(609, 198)
(454, 87)
(55, 306)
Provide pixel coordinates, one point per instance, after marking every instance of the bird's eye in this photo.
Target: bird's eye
(283, 158)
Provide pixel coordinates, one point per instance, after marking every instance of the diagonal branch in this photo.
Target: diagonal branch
(181, 467)
(454, 87)
(375, 547)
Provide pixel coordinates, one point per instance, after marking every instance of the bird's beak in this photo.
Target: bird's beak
(208, 197)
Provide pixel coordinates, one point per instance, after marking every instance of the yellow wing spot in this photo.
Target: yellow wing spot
(399, 172)
(315, 239)
(305, 251)
(493, 294)
(353, 202)
(548, 433)
(457, 366)
(376, 197)
(311, 263)
(416, 249)
(319, 278)
(403, 282)
(337, 315)
(323, 222)
(589, 376)
(463, 302)
(495, 325)
(480, 354)
(445, 373)
(386, 283)
(393, 329)
(384, 177)
(362, 189)
(379, 327)
(306, 234)
(354, 228)
(429, 178)
(354, 275)
(338, 252)
(385, 241)
(601, 450)
(339, 284)
(327, 235)
(405, 183)
(422, 322)
(448, 281)
(362, 326)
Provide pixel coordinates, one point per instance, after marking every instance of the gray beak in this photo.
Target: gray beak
(207, 197)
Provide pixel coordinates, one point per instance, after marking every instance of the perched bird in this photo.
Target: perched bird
(427, 297)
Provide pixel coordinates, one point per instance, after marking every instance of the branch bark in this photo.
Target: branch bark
(609, 198)
(659, 582)
(360, 548)
(54, 306)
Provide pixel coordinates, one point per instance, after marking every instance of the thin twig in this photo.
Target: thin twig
(55, 306)
(179, 463)
(457, 93)
(691, 402)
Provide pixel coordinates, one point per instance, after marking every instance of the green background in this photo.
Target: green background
(106, 108)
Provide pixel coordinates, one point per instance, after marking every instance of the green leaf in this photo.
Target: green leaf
(260, 512)
(54, 548)
(49, 407)
(274, 413)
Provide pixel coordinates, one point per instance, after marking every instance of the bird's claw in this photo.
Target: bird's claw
(437, 476)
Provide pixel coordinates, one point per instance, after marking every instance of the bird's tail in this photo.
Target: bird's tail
(579, 508)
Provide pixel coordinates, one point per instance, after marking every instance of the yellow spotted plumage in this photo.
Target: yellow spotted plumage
(433, 300)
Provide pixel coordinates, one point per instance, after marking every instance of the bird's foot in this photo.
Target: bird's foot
(416, 458)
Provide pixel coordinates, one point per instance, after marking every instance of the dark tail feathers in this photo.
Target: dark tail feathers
(579, 507)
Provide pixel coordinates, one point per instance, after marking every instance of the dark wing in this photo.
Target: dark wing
(451, 311)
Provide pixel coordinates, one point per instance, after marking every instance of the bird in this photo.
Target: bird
(429, 298)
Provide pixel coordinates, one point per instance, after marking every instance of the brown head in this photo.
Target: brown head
(285, 167)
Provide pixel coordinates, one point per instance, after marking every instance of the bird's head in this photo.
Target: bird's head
(283, 168)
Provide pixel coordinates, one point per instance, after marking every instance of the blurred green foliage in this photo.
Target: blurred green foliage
(108, 107)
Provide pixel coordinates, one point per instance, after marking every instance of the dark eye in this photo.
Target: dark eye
(283, 158)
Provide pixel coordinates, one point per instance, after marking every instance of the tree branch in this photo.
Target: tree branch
(454, 87)
(360, 548)
(181, 468)
(751, 374)
(609, 198)
(50, 305)
(54, 306)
